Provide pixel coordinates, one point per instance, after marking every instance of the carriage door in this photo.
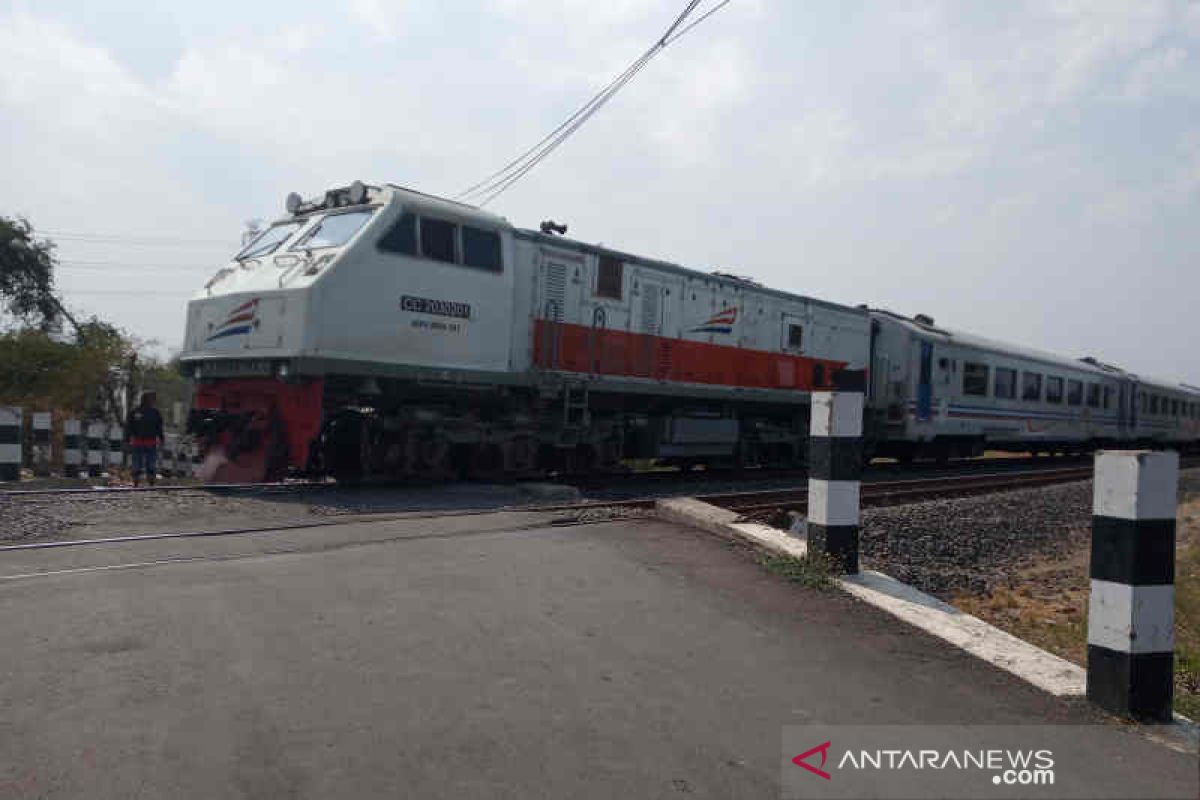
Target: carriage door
(925, 382)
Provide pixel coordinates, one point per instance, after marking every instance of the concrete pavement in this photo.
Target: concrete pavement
(484, 656)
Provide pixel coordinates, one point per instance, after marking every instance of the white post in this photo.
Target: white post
(834, 470)
(10, 443)
(97, 434)
(1131, 609)
(72, 448)
(116, 442)
(43, 427)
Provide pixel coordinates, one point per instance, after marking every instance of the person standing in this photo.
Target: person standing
(143, 434)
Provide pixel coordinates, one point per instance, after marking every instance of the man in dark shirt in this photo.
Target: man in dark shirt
(143, 434)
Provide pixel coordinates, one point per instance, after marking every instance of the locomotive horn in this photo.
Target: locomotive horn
(550, 226)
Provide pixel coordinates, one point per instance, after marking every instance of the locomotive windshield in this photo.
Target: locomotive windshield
(334, 230)
(269, 240)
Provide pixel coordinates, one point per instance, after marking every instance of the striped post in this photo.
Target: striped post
(97, 433)
(834, 469)
(168, 462)
(1131, 614)
(116, 441)
(10, 443)
(43, 427)
(72, 448)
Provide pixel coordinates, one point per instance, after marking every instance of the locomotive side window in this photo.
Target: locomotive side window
(1031, 386)
(1054, 390)
(1093, 395)
(1006, 383)
(1074, 393)
(481, 249)
(437, 239)
(402, 238)
(975, 379)
(609, 278)
(795, 338)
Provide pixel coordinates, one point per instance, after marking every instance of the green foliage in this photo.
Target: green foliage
(27, 275)
(167, 382)
(815, 570)
(38, 371)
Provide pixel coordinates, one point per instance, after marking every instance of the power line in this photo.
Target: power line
(73, 263)
(108, 238)
(128, 293)
(500, 181)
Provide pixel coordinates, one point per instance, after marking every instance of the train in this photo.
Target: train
(379, 331)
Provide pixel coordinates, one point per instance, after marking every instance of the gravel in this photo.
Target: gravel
(975, 544)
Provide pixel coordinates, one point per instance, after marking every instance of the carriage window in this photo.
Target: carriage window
(795, 336)
(1006, 382)
(1074, 393)
(1174, 408)
(975, 379)
(1108, 396)
(1153, 404)
(402, 238)
(609, 278)
(1093, 395)
(481, 249)
(1031, 386)
(1054, 390)
(437, 239)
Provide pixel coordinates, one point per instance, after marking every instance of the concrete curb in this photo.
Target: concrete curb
(1044, 670)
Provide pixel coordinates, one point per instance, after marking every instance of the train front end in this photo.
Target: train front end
(256, 411)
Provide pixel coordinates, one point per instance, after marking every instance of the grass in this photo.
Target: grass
(1047, 605)
(815, 570)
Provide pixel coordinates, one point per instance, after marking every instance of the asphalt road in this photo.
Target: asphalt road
(485, 656)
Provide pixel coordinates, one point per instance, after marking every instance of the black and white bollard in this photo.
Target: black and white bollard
(97, 444)
(116, 441)
(1131, 611)
(834, 470)
(72, 448)
(10, 443)
(168, 462)
(43, 425)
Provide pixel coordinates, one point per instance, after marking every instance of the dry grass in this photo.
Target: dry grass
(1046, 604)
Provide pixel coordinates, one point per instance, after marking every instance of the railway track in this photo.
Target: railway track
(633, 479)
(881, 493)
(750, 504)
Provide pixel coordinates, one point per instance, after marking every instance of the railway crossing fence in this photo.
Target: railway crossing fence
(52, 444)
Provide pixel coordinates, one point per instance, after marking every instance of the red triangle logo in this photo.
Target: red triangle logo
(823, 749)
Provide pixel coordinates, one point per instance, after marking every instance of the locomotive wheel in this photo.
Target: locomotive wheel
(521, 455)
(486, 463)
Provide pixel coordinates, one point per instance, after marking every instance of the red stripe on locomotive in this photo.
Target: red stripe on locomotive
(578, 348)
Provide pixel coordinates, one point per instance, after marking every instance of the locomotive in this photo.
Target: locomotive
(381, 331)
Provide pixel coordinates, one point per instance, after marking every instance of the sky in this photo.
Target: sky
(1027, 171)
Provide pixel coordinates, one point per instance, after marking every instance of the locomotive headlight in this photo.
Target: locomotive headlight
(293, 202)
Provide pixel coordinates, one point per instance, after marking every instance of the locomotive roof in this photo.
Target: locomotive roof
(944, 334)
(465, 210)
(667, 266)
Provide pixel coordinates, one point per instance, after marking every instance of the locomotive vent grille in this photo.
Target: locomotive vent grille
(556, 291)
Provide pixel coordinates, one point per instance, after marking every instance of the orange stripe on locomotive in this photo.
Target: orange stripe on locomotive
(578, 348)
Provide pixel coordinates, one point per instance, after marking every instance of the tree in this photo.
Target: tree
(27, 276)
